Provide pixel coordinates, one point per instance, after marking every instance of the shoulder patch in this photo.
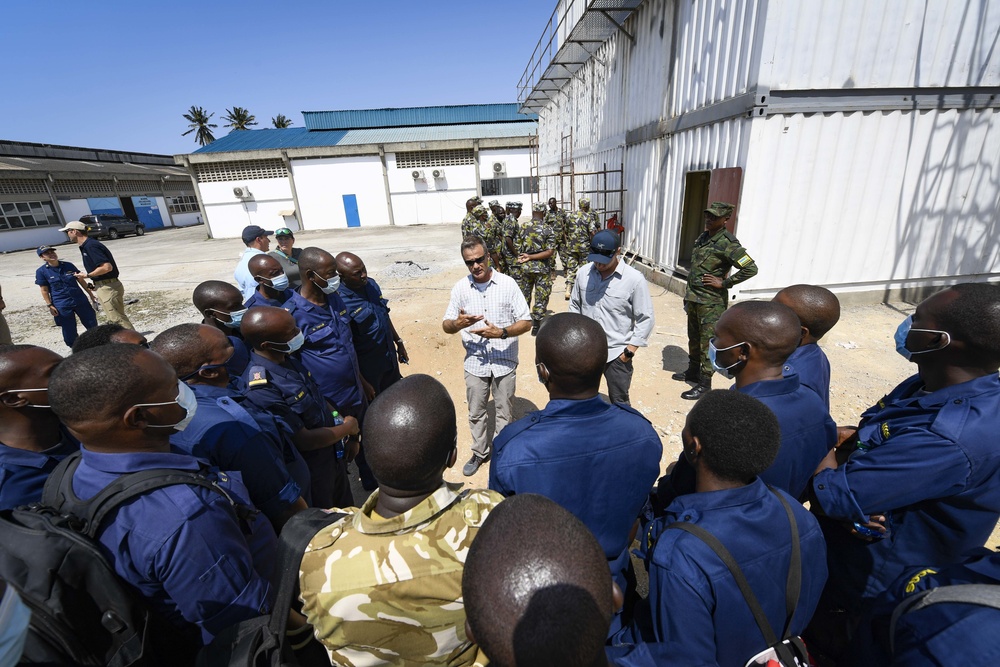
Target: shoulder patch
(744, 260)
(258, 377)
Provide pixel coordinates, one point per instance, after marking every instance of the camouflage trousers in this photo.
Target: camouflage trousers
(701, 319)
(573, 262)
(541, 285)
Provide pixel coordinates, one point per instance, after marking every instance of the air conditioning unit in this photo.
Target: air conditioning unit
(438, 173)
(418, 175)
(242, 193)
(499, 169)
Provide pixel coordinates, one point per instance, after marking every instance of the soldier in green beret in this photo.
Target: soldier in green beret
(715, 252)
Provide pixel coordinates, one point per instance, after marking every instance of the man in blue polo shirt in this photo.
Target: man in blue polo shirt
(32, 442)
(272, 283)
(924, 462)
(202, 565)
(380, 349)
(596, 460)
(223, 432)
(65, 294)
(101, 268)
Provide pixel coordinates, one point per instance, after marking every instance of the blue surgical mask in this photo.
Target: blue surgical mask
(712, 354)
(331, 284)
(207, 367)
(903, 332)
(279, 283)
(294, 344)
(186, 399)
(235, 317)
(14, 619)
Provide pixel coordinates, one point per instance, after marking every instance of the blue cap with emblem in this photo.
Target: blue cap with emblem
(603, 246)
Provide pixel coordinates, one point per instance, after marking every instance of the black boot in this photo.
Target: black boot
(692, 374)
(694, 393)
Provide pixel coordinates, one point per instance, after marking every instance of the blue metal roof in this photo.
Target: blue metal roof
(300, 137)
(413, 116)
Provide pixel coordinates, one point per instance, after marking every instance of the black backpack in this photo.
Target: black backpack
(82, 612)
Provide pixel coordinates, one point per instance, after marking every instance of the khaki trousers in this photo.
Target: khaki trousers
(111, 295)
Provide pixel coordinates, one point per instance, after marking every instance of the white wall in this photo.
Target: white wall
(186, 219)
(23, 239)
(322, 184)
(227, 216)
(73, 209)
(517, 160)
(430, 201)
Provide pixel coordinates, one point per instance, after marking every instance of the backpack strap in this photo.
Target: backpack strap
(58, 492)
(984, 595)
(793, 583)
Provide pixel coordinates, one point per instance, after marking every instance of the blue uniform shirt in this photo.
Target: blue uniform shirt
(182, 546)
(809, 362)
(94, 254)
(226, 435)
(371, 330)
(23, 473)
(693, 602)
(64, 289)
(930, 462)
(328, 351)
(807, 431)
(258, 299)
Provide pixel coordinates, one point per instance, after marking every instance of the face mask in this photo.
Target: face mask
(14, 619)
(235, 318)
(903, 332)
(331, 285)
(279, 283)
(186, 399)
(713, 353)
(207, 367)
(26, 405)
(294, 344)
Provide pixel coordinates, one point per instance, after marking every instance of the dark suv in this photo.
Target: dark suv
(111, 226)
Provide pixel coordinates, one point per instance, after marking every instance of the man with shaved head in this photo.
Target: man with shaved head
(221, 306)
(380, 349)
(596, 460)
(32, 441)
(536, 589)
(106, 334)
(384, 584)
(818, 310)
(182, 546)
(223, 432)
(753, 339)
(277, 382)
(272, 283)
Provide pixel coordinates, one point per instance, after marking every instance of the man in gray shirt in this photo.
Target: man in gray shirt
(616, 296)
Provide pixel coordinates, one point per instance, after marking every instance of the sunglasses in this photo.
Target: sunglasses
(475, 260)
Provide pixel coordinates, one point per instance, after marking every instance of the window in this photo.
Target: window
(427, 159)
(21, 215)
(497, 187)
(183, 204)
(240, 170)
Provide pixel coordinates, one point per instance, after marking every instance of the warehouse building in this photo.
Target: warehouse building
(42, 187)
(860, 140)
(365, 167)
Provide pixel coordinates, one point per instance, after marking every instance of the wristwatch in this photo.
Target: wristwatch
(503, 333)
(628, 353)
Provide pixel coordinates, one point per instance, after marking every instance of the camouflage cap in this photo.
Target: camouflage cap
(513, 204)
(584, 201)
(494, 202)
(720, 209)
(518, 205)
(479, 210)
(539, 207)
(477, 199)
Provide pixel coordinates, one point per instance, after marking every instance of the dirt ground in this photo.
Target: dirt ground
(416, 268)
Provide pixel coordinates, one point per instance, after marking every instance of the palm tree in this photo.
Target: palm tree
(239, 118)
(198, 120)
(281, 121)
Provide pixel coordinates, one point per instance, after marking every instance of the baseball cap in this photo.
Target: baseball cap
(720, 209)
(76, 224)
(603, 246)
(250, 232)
(42, 249)
(284, 231)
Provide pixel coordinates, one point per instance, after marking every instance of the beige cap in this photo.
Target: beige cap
(76, 224)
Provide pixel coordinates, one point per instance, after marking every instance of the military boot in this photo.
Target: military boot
(694, 393)
(692, 374)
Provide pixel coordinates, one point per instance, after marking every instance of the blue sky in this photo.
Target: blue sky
(118, 75)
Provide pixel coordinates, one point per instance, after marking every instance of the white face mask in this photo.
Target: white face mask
(185, 398)
(331, 284)
(714, 351)
(279, 283)
(27, 405)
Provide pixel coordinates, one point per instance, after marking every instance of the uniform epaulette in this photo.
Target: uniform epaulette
(258, 377)
(629, 408)
(729, 235)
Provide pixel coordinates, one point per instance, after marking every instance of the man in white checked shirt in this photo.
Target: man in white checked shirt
(492, 304)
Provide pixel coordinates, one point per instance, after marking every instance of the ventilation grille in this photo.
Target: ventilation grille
(241, 170)
(84, 187)
(426, 159)
(14, 186)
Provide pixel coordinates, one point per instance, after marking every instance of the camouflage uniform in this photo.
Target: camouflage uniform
(389, 591)
(704, 305)
(473, 226)
(557, 220)
(536, 275)
(510, 228)
(495, 226)
(580, 228)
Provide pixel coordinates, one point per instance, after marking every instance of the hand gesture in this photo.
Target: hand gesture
(489, 331)
(464, 319)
